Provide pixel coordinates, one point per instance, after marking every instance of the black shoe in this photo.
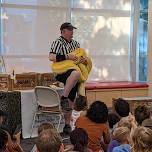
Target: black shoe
(67, 129)
(65, 105)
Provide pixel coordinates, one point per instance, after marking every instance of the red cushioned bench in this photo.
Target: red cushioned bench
(106, 91)
(114, 85)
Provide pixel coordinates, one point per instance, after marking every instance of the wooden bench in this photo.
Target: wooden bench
(106, 91)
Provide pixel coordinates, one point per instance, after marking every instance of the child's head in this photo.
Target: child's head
(141, 113)
(79, 139)
(112, 119)
(98, 112)
(124, 122)
(49, 140)
(45, 126)
(121, 107)
(122, 135)
(80, 103)
(142, 139)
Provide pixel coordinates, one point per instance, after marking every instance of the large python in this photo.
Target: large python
(63, 66)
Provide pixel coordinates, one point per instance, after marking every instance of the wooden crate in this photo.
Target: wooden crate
(25, 81)
(47, 79)
(5, 82)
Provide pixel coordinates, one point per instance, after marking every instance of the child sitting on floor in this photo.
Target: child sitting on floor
(142, 140)
(80, 106)
(142, 113)
(42, 127)
(122, 136)
(113, 119)
(79, 139)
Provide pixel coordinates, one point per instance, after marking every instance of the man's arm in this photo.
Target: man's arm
(57, 58)
(52, 57)
(55, 49)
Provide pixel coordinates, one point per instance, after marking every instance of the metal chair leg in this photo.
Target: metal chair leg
(60, 118)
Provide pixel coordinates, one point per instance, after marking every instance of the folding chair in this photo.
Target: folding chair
(48, 102)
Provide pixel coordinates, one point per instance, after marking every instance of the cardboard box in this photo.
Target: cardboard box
(47, 79)
(25, 81)
(5, 82)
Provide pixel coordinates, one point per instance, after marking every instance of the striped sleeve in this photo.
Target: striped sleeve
(77, 44)
(56, 47)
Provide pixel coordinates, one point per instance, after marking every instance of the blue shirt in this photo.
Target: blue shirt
(112, 145)
(122, 148)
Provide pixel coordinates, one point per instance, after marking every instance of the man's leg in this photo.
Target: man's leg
(67, 115)
(71, 82)
(72, 94)
(70, 90)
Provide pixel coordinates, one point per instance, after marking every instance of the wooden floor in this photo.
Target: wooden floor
(27, 144)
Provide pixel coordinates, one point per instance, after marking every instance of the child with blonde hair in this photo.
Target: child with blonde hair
(124, 122)
(42, 127)
(122, 136)
(142, 140)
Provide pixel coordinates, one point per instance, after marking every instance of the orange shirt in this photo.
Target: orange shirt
(95, 132)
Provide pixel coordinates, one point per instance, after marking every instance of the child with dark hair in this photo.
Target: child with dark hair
(112, 119)
(95, 124)
(141, 113)
(79, 106)
(98, 112)
(121, 107)
(79, 139)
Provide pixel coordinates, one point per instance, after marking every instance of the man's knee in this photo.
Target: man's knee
(75, 74)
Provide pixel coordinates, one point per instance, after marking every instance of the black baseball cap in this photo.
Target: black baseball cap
(67, 25)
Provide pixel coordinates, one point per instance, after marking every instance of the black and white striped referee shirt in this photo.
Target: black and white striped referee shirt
(62, 47)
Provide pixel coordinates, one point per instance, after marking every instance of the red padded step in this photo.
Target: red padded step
(114, 85)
